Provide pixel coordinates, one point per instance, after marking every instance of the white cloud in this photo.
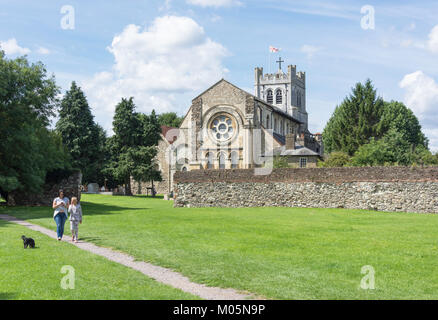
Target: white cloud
(310, 50)
(42, 50)
(432, 134)
(432, 44)
(163, 67)
(421, 95)
(214, 3)
(215, 18)
(412, 26)
(11, 47)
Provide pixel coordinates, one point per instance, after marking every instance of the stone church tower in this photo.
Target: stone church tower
(285, 91)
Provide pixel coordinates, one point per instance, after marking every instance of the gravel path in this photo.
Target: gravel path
(163, 275)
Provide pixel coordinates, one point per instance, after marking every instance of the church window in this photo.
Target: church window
(270, 97)
(303, 162)
(279, 97)
(222, 160)
(223, 128)
(234, 157)
(261, 116)
(299, 100)
(209, 157)
(267, 122)
(275, 125)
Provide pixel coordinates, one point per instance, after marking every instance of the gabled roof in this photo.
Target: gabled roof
(271, 106)
(169, 139)
(299, 151)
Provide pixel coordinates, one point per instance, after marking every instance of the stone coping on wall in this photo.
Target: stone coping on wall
(323, 175)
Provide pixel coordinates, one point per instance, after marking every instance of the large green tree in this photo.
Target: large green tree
(392, 149)
(83, 138)
(133, 148)
(400, 118)
(170, 119)
(28, 149)
(376, 132)
(355, 121)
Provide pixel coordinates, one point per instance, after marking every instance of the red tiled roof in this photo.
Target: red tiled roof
(171, 137)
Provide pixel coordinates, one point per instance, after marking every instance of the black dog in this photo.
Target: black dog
(28, 242)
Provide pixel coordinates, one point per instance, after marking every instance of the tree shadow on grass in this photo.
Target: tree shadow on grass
(90, 239)
(43, 212)
(158, 196)
(7, 295)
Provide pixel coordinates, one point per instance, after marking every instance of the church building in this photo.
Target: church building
(229, 128)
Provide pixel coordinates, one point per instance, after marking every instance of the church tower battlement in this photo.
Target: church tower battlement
(286, 91)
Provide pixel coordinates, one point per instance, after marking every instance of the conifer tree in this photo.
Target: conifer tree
(82, 137)
(355, 121)
(134, 145)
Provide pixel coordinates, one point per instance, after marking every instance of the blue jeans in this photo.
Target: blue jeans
(60, 219)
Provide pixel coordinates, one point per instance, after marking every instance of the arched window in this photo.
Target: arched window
(261, 116)
(234, 157)
(281, 128)
(299, 100)
(275, 125)
(222, 160)
(210, 160)
(269, 97)
(268, 124)
(278, 97)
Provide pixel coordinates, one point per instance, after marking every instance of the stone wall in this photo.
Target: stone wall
(372, 188)
(71, 187)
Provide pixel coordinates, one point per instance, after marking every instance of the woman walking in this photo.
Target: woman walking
(60, 204)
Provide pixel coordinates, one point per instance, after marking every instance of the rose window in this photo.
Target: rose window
(222, 128)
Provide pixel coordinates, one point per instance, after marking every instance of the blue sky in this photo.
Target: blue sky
(166, 52)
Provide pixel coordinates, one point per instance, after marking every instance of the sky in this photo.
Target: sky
(165, 52)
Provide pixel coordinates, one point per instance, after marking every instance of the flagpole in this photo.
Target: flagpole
(269, 62)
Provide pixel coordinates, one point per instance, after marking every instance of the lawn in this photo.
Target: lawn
(36, 273)
(278, 253)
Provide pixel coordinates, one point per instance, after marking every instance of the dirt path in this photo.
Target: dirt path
(160, 274)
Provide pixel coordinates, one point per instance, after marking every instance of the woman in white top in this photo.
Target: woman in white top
(60, 204)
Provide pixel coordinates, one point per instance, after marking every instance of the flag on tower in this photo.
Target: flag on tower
(273, 49)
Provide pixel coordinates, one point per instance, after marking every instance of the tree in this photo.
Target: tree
(151, 129)
(280, 162)
(397, 116)
(134, 145)
(170, 119)
(126, 125)
(83, 138)
(355, 121)
(28, 150)
(376, 132)
(392, 149)
(336, 159)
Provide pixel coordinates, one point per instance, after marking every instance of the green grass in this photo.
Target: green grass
(279, 253)
(36, 273)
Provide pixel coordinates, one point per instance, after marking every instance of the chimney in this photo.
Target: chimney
(301, 140)
(290, 141)
(318, 137)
